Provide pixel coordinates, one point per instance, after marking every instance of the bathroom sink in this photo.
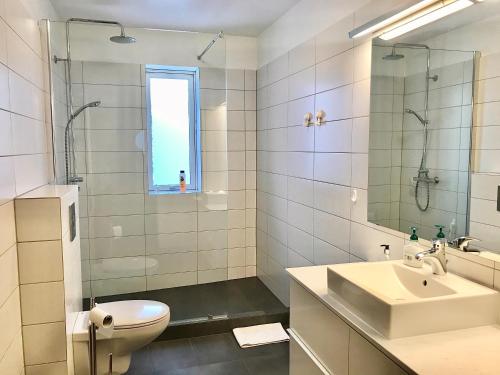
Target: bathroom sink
(400, 301)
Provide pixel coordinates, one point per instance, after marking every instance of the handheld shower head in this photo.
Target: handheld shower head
(82, 108)
(412, 112)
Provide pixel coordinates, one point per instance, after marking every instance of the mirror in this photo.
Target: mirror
(421, 125)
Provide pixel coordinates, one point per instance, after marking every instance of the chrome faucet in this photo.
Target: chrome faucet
(436, 256)
(462, 244)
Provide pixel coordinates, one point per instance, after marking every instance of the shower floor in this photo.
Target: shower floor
(199, 310)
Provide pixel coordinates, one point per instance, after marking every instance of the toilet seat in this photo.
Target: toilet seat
(135, 313)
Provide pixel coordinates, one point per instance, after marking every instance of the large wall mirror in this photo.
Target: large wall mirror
(421, 120)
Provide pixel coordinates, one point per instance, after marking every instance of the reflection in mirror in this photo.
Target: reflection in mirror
(420, 128)
(425, 168)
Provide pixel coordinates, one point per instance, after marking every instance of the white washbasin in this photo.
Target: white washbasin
(400, 301)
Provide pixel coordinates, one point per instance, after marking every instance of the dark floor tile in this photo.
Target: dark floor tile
(141, 363)
(171, 355)
(221, 368)
(267, 365)
(215, 348)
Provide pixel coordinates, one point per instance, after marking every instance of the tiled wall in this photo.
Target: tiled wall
(51, 285)
(306, 177)
(450, 118)
(134, 241)
(484, 217)
(386, 119)
(23, 156)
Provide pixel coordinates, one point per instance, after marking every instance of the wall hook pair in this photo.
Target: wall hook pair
(320, 118)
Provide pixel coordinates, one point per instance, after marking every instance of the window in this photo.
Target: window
(173, 117)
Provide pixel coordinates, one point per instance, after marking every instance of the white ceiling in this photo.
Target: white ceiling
(236, 17)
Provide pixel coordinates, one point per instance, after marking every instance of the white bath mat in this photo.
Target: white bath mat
(263, 334)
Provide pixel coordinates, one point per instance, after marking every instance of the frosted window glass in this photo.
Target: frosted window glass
(170, 130)
(173, 118)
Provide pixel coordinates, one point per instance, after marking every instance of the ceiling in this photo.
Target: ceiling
(236, 17)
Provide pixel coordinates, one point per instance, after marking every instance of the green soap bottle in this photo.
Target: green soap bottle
(412, 248)
(440, 234)
(440, 237)
(413, 236)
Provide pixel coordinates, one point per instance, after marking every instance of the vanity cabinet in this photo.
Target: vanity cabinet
(322, 343)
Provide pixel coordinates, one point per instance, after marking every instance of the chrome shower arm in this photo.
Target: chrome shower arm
(102, 22)
(219, 35)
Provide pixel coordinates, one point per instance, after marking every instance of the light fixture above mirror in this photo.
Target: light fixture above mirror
(404, 20)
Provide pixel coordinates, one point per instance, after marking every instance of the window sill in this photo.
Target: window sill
(172, 192)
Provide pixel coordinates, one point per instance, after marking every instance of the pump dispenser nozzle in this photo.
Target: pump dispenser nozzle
(413, 236)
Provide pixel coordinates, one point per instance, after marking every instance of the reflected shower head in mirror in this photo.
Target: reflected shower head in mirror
(122, 39)
(412, 112)
(393, 55)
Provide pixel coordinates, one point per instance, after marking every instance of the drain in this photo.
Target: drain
(424, 282)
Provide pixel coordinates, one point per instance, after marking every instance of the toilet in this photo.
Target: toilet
(136, 324)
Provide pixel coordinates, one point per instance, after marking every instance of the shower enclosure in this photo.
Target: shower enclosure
(135, 238)
(420, 134)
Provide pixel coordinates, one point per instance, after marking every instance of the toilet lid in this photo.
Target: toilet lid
(127, 314)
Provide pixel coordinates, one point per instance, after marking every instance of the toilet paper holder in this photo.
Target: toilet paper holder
(93, 344)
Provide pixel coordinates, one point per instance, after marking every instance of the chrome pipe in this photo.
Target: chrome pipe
(220, 35)
(103, 22)
(92, 343)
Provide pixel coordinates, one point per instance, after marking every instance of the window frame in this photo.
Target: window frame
(193, 76)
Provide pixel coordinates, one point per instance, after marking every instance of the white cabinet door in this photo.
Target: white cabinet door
(325, 333)
(302, 362)
(364, 359)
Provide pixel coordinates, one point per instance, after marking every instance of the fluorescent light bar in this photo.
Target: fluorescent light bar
(423, 18)
(388, 19)
(404, 20)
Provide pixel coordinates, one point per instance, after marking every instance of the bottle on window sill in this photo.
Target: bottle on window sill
(182, 182)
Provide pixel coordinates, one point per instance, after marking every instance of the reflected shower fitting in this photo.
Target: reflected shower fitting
(423, 172)
(69, 144)
(71, 177)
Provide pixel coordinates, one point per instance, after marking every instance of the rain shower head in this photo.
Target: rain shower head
(123, 39)
(393, 56)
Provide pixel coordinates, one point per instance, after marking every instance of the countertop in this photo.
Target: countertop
(466, 351)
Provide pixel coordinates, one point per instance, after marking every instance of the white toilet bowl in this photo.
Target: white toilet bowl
(137, 323)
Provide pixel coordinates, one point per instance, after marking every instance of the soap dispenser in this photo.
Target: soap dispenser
(440, 239)
(411, 249)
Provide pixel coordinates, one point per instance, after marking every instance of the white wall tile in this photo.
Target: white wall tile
(333, 136)
(301, 84)
(334, 72)
(334, 168)
(171, 223)
(337, 104)
(172, 263)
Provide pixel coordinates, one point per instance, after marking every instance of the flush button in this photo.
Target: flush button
(72, 222)
(498, 198)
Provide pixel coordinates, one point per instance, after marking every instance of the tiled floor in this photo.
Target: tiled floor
(232, 297)
(209, 355)
(238, 303)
